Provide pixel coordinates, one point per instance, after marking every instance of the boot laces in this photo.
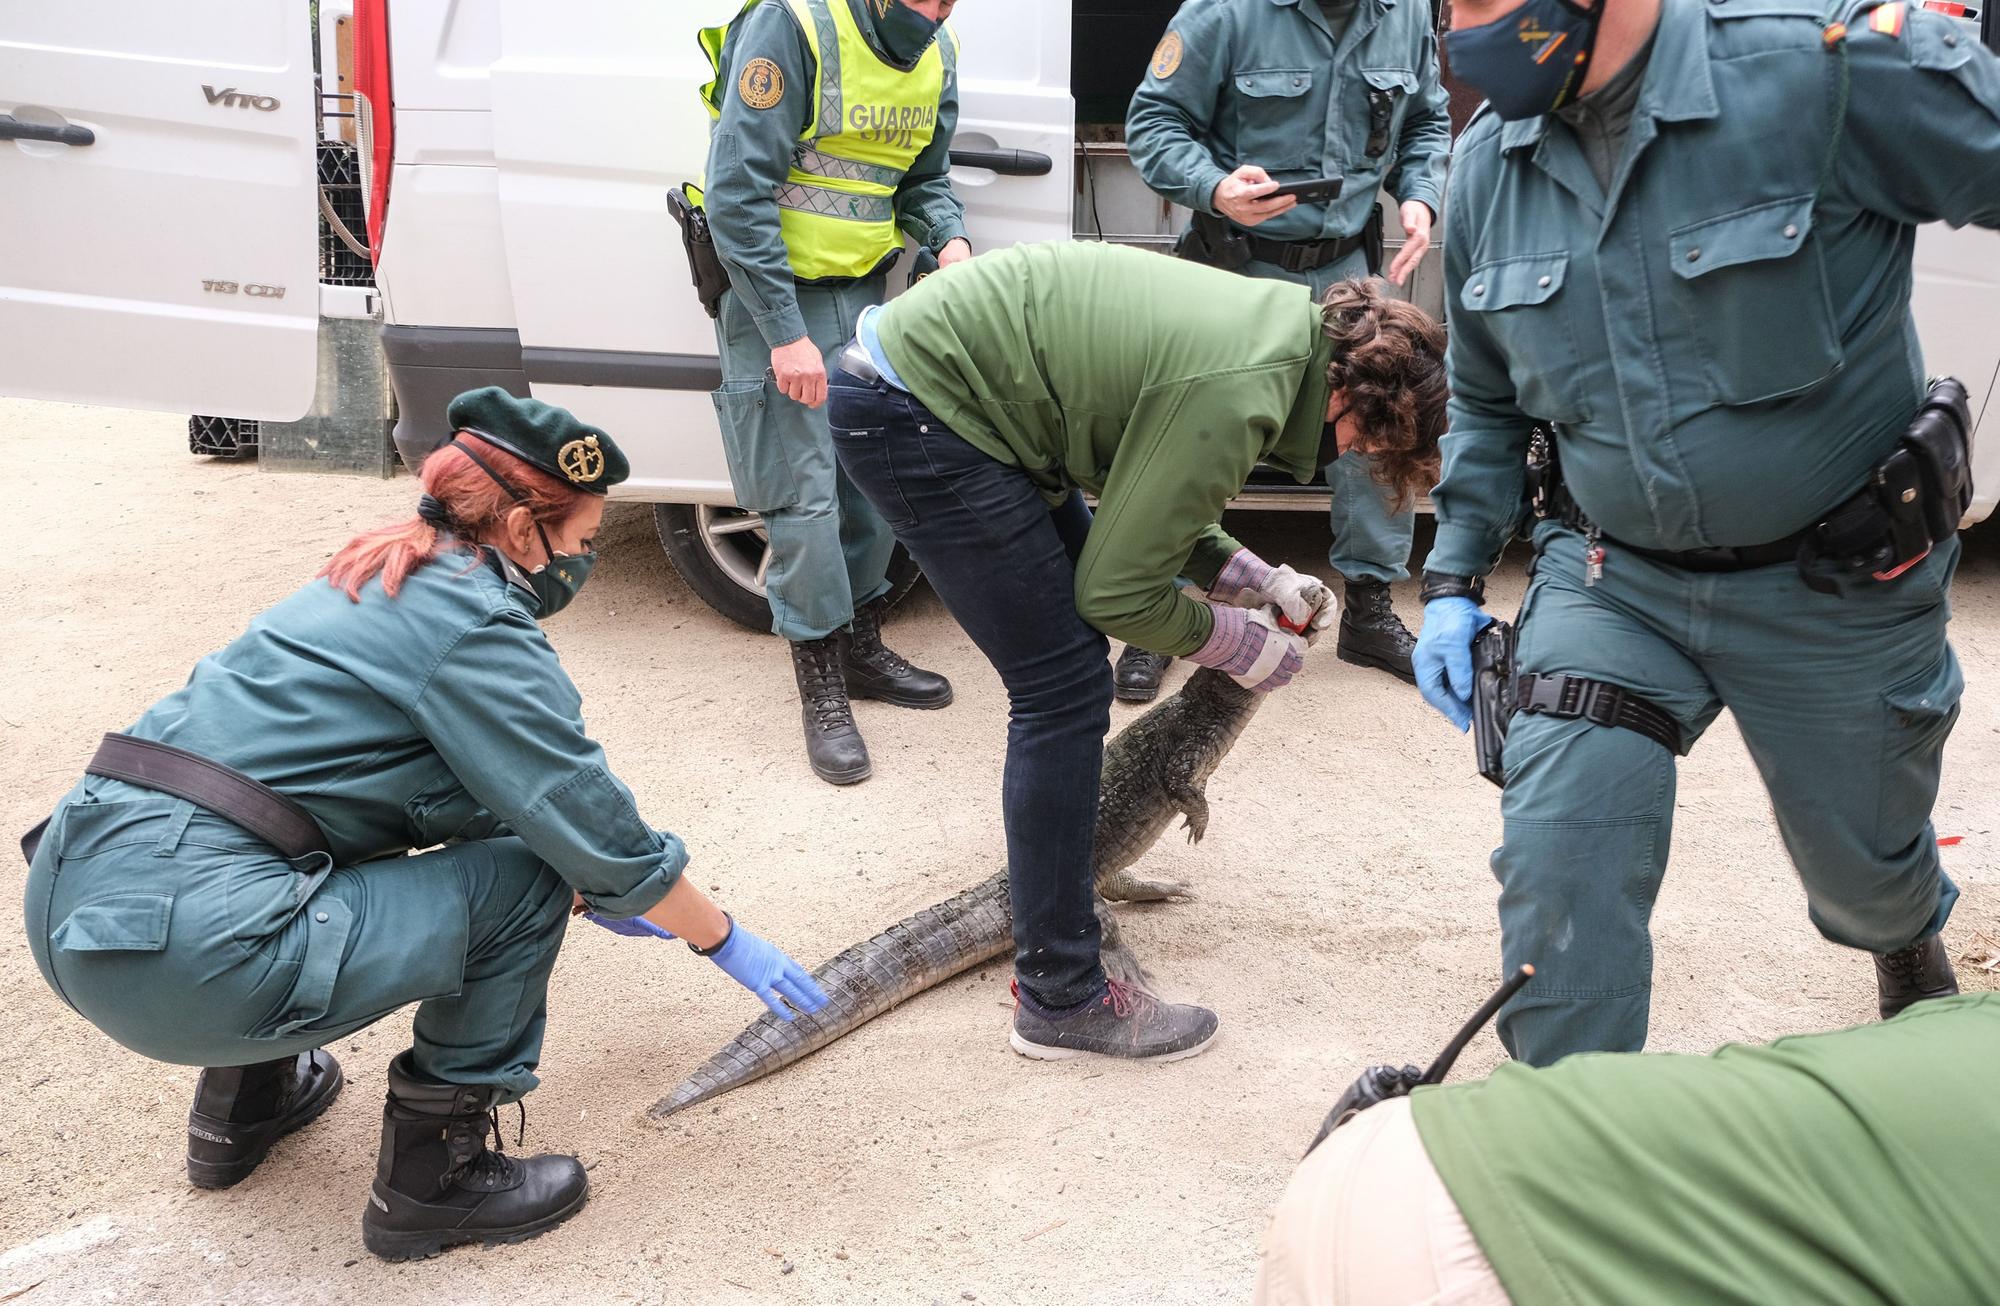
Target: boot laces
(865, 644)
(1905, 963)
(491, 1161)
(824, 685)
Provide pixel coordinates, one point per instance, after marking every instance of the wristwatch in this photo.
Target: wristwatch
(1444, 585)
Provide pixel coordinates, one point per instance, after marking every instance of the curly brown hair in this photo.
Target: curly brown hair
(1388, 357)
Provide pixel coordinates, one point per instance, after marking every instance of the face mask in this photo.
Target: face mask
(556, 582)
(1532, 61)
(904, 32)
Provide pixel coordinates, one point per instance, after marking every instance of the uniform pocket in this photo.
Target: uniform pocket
(1752, 294)
(1523, 305)
(1272, 108)
(1917, 717)
(117, 922)
(323, 923)
(753, 443)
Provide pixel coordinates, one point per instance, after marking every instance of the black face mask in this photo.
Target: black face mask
(1329, 439)
(903, 31)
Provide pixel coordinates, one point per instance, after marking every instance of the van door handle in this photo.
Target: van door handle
(1008, 163)
(13, 129)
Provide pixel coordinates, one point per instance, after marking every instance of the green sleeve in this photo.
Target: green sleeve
(1425, 142)
(749, 153)
(926, 209)
(1922, 138)
(1485, 445)
(1173, 117)
(1186, 451)
(500, 711)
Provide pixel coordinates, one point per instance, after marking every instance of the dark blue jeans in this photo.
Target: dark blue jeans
(1004, 563)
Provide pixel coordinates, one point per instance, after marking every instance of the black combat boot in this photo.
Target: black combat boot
(1123, 1020)
(1371, 634)
(240, 1111)
(833, 742)
(438, 1185)
(1914, 974)
(1136, 678)
(874, 670)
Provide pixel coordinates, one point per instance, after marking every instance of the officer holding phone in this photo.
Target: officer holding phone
(1277, 121)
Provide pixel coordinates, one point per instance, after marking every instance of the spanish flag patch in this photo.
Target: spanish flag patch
(1887, 19)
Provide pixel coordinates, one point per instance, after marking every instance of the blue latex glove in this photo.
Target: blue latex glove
(768, 973)
(637, 927)
(1443, 658)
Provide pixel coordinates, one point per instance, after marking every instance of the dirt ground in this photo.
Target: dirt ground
(1346, 915)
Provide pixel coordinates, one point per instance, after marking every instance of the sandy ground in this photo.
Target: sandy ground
(1346, 915)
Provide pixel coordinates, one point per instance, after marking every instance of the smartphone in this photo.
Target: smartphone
(1309, 192)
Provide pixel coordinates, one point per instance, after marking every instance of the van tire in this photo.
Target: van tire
(720, 565)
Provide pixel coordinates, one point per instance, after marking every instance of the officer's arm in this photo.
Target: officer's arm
(1478, 495)
(1922, 138)
(749, 154)
(1186, 451)
(1172, 116)
(507, 721)
(926, 209)
(1425, 141)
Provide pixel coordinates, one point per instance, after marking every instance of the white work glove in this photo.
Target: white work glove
(1251, 648)
(1248, 581)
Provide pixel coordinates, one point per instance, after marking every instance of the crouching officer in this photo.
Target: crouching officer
(1697, 275)
(228, 886)
(832, 138)
(1243, 96)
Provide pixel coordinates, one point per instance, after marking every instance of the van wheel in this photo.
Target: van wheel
(722, 552)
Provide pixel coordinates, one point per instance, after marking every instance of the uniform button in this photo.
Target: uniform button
(1477, 291)
(1298, 81)
(1951, 38)
(1694, 255)
(1791, 230)
(1544, 282)
(320, 916)
(295, 1016)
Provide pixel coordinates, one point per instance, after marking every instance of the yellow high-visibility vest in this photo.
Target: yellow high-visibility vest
(869, 122)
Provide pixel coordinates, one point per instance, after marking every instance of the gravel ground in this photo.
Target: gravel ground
(1346, 915)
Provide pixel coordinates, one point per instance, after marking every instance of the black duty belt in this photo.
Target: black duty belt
(1291, 255)
(231, 795)
(1738, 558)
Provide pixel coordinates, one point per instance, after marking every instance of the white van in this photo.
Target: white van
(158, 235)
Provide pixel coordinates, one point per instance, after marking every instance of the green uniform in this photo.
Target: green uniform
(1083, 365)
(1304, 93)
(1856, 1166)
(1722, 344)
(441, 716)
(829, 549)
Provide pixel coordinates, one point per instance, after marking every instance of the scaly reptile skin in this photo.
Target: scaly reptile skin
(1154, 768)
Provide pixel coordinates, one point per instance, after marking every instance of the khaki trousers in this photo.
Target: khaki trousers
(1367, 1222)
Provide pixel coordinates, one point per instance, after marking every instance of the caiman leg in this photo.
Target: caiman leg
(1120, 962)
(1123, 886)
(1193, 805)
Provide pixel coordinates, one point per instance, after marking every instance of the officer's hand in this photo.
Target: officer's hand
(768, 973)
(1416, 217)
(800, 370)
(1243, 197)
(1443, 658)
(956, 250)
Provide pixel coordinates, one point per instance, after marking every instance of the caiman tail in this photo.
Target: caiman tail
(917, 953)
(1154, 769)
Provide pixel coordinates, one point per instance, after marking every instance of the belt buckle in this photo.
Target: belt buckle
(1601, 701)
(1300, 257)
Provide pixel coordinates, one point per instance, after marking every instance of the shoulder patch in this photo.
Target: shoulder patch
(1167, 56)
(762, 84)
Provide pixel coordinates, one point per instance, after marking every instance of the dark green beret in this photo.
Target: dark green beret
(543, 435)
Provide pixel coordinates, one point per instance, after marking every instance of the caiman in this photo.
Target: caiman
(1153, 769)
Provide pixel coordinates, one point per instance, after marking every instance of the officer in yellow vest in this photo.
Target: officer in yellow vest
(831, 142)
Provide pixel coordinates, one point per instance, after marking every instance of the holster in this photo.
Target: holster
(1492, 697)
(1213, 241)
(711, 278)
(1913, 500)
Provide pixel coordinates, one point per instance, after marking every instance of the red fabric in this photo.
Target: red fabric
(371, 82)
